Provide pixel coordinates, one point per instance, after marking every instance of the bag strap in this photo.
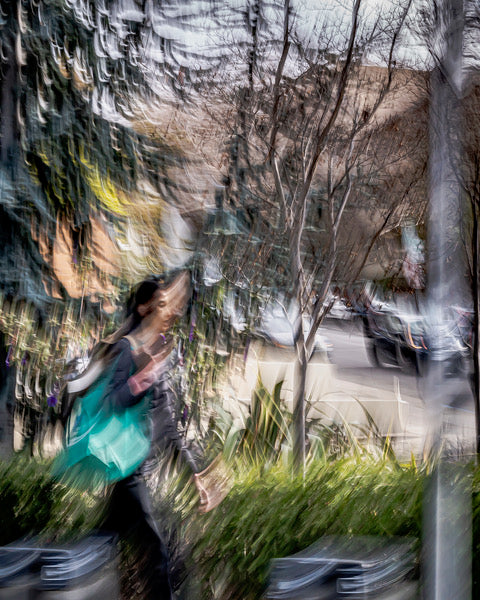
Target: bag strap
(92, 373)
(132, 341)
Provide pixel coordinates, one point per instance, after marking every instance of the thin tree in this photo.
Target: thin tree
(297, 145)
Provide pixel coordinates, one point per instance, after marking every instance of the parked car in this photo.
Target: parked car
(402, 339)
(339, 308)
(276, 327)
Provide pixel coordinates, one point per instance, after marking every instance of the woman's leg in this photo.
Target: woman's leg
(131, 515)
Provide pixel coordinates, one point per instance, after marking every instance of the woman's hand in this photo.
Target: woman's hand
(146, 377)
(213, 484)
(203, 494)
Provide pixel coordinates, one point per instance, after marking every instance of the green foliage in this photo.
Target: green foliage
(265, 437)
(31, 503)
(268, 514)
(272, 511)
(476, 529)
(268, 428)
(206, 344)
(76, 83)
(44, 346)
(277, 514)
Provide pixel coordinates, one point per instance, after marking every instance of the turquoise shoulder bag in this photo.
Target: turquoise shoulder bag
(103, 444)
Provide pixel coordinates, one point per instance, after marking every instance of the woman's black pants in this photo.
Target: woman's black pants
(131, 516)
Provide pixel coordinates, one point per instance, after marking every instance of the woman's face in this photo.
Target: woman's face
(167, 305)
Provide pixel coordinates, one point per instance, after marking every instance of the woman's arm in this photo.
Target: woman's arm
(122, 393)
(165, 431)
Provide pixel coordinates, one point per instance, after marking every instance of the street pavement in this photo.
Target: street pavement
(354, 375)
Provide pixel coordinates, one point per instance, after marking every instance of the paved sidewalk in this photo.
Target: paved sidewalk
(406, 418)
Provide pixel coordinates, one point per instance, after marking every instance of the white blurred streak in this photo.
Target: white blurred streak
(212, 273)
(178, 235)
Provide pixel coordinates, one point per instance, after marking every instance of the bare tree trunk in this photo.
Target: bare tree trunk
(293, 160)
(299, 381)
(301, 361)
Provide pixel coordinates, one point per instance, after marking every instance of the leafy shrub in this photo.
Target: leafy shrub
(279, 514)
(31, 503)
(271, 512)
(347, 489)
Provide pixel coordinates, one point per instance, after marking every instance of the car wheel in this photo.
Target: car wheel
(406, 364)
(422, 364)
(372, 352)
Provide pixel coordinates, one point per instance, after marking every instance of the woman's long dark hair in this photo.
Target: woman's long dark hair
(140, 294)
(145, 291)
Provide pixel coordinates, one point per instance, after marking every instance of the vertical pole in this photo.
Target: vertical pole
(476, 326)
(447, 527)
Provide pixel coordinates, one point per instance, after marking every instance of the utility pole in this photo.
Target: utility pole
(447, 543)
